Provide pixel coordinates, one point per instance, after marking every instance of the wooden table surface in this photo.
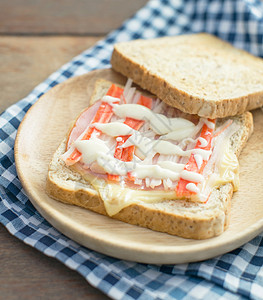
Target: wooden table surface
(36, 38)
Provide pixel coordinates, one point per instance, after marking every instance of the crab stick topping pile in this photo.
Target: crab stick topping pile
(142, 143)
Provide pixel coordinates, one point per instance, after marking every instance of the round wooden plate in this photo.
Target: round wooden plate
(41, 131)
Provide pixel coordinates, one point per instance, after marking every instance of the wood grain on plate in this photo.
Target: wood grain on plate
(41, 132)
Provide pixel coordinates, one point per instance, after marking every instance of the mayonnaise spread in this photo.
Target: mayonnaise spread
(159, 123)
(162, 147)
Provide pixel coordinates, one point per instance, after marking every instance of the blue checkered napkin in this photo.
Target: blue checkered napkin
(236, 275)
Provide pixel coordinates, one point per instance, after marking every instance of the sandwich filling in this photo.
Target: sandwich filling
(129, 146)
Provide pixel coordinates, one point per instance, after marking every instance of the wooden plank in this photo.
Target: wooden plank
(64, 16)
(27, 61)
(32, 275)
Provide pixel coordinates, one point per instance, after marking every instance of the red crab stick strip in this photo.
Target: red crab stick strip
(121, 153)
(192, 165)
(126, 154)
(103, 115)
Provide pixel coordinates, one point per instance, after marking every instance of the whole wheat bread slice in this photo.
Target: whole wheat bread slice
(198, 74)
(177, 217)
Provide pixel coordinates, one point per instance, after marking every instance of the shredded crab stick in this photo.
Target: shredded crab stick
(186, 188)
(126, 154)
(223, 128)
(103, 115)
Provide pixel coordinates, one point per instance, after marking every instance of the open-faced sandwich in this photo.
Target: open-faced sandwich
(131, 156)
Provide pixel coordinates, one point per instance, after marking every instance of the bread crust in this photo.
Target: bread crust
(144, 215)
(67, 185)
(187, 101)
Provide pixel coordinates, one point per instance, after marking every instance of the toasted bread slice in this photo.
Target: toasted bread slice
(198, 74)
(176, 217)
